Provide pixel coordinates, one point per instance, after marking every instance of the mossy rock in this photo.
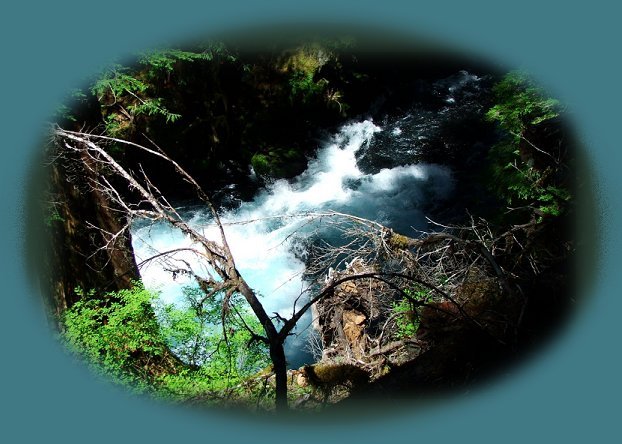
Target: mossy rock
(279, 163)
(331, 375)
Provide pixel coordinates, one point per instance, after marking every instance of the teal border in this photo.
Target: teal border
(568, 393)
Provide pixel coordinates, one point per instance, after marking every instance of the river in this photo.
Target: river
(368, 169)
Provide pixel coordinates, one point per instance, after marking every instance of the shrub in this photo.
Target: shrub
(129, 335)
(520, 103)
(521, 106)
(114, 333)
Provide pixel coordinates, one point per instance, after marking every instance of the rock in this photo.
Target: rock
(330, 375)
(353, 329)
(302, 380)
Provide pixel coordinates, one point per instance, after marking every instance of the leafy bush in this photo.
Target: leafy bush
(518, 183)
(521, 106)
(124, 95)
(164, 60)
(113, 333)
(203, 334)
(407, 317)
(407, 320)
(520, 103)
(304, 87)
(216, 343)
(129, 335)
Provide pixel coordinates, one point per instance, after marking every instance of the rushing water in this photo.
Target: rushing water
(365, 169)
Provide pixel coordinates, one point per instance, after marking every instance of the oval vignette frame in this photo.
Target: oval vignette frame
(509, 382)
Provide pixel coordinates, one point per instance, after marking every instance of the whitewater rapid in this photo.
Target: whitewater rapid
(263, 243)
(366, 170)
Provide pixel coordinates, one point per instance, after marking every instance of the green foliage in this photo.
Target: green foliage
(419, 293)
(215, 50)
(126, 94)
(113, 332)
(517, 183)
(304, 87)
(153, 107)
(123, 332)
(225, 351)
(520, 103)
(260, 163)
(303, 66)
(116, 125)
(407, 320)
(407, 317)
(64, 112)
(52, 215)
(308, 59)
(166, 59)
(117, 81)
(197, 335)
(277, 162)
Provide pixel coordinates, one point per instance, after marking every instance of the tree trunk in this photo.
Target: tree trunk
(73, 257)
(277, 354)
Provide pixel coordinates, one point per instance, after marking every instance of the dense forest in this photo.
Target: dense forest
(308, 223)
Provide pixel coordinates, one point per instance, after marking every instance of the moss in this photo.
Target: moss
(260, 164)
(399, 242)
(336, 374)
(278, 162)
(303, 66)
(307, 59)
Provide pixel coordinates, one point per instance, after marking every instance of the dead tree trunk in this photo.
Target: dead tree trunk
(149, 203)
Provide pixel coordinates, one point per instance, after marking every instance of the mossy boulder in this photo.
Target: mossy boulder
(278, 163)
(331, 375)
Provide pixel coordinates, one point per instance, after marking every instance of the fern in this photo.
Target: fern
(521, 103)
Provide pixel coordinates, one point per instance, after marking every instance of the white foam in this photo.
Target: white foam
(263, 250)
